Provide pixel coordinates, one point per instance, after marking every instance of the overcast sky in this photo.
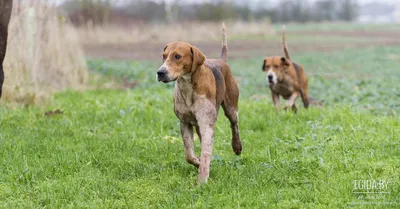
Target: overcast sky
(397, 2)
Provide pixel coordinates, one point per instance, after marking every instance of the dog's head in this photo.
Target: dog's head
(275, 67)
(179, 59)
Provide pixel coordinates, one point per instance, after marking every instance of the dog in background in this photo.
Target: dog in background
(286, 79)
(202, 86)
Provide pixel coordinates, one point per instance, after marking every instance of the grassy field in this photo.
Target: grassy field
(122, 148)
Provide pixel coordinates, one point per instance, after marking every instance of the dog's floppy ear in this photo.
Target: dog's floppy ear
(164, 57)
(284, 61)
(263, 66)
(198, 58)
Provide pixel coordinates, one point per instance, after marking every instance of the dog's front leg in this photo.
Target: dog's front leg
(206, 115)
(291, 101)
(187, 136)
(207, 134)
(275, 99)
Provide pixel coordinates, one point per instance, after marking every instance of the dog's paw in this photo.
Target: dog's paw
(237, 147)
(294, 108)
(195, 161)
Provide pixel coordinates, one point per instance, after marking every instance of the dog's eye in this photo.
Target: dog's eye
(164, 57)
(276, 66)
(177, 56)
(268, 66)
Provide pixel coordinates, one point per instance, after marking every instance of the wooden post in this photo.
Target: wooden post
(5, 14)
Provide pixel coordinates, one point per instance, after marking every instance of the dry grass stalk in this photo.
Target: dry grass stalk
(194, 31)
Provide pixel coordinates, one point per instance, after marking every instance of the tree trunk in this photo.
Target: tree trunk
(168, 11)
(5, 13)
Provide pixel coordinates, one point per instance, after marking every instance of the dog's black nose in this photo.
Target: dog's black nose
(162, 74)
(270, 77)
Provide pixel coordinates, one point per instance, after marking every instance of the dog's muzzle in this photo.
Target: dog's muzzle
(162, 74)
(270, 79)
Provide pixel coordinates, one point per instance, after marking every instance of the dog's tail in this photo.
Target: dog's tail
(316, 102)
(285, 48)
(224, 53)
(308, 100)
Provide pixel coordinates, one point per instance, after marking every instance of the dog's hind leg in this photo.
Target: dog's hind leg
(187, 136)
(232, 114)
(230, 106)
(304, 97)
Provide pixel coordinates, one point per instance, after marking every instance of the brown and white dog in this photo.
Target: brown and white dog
(286, 79)
(202, 85)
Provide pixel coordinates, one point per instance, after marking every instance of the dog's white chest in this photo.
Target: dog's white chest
(183, 101)
(185, 88)
(187, 95)
(284, 89)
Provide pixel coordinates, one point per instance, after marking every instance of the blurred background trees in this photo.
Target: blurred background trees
(105, 11)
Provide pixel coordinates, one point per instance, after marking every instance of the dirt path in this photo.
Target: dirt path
(247, 48)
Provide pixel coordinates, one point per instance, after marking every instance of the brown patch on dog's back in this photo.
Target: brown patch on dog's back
(296, 67)
(216, 66)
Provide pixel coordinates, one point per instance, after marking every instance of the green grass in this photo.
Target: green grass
(122, 149)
